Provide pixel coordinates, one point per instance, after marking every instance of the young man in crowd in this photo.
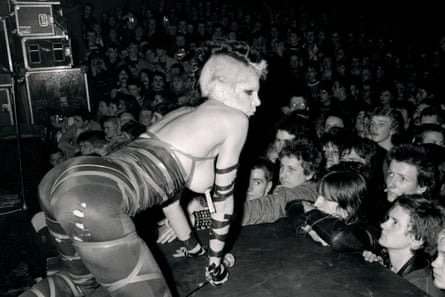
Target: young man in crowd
(409, 237)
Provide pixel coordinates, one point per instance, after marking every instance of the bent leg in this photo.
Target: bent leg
(89, 210)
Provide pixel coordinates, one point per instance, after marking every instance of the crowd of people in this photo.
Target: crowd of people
(347, 142)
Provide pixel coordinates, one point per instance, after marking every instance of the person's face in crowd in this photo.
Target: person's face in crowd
(112, 21)
(439, 264)
(341, 69)
(327, 63)
(421, 94)
(146, 117)
(396, 233)
(385, 97)
(112, 54)
(401, 179)
(145, 79)
(331, 153)
(339, 90)
(433, 137)
(293, 38)
(133, 49)
(113, 108)
(177, 84)
(417, 113)
(87, 11)
(139, 32)
(325, 97)
(366, 74)
(294, 61)
(291, 172)
(123, 76)
(333, 121)
(102, 108)
(380, 128)
(362, 122)
(91, 37)
(297, 103)
(311, 74)
(190, 28)
(86, 148)
(180, 41)
(281, 138)
(126, 117)
(113, 35)
(79, 123)
(158, 83)
(56, 158)
(134, 90)
(110, 129)
(158, 99)
(259, 186)
(329, 206)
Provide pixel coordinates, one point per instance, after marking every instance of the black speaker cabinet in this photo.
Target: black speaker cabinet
(61, 90)
(39, 19)
(49, 52)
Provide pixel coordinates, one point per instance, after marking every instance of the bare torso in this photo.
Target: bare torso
(200, 132)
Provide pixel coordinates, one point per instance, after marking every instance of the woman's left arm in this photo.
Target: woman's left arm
(235, 127)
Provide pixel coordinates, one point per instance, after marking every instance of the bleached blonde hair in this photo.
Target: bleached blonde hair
(227, 68)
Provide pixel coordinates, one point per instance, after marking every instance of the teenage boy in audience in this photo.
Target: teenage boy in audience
(411, 171)
(409, 237)
(386, 126)
(300, 162)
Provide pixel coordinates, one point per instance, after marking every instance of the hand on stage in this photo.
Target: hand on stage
(166, 234)
(184, 252)
(371, 257)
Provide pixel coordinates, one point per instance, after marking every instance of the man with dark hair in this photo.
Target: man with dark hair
(409, 236)
(411, 171)
(92, 143)
(300, 162)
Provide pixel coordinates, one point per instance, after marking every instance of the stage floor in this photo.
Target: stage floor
(271, 261)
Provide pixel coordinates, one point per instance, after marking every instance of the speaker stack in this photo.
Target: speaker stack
(36, 76)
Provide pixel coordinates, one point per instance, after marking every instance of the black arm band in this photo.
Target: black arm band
(226, 170)
(224, 188)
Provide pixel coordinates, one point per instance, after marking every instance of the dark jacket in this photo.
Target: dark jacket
(341, 236)
(418, 272)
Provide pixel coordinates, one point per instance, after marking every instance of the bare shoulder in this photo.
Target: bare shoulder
(223, 115)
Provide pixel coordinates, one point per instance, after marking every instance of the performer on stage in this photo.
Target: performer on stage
(88, 201)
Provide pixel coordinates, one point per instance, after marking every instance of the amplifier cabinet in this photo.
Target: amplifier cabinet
(38, 18)
(49, 52)
(61, 90)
